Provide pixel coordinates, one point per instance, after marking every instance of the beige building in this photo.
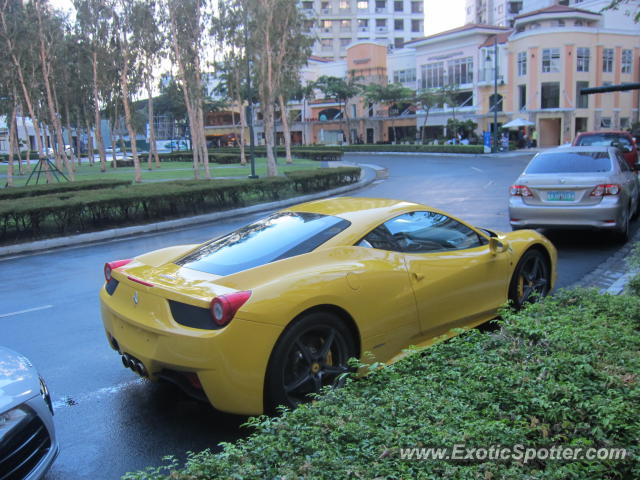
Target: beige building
(555, 52)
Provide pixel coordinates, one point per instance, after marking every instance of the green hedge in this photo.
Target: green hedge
(562, 373)
(415, 148)
(51, 188)
(232, 154)
(86, 210)
(309, 181)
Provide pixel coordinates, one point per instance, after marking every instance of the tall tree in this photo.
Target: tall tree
(343, 90)
(186, 27)
(389, 95)
(150, 41)
(426, 99)
(50, 31)
(278, 46)
(94, 22)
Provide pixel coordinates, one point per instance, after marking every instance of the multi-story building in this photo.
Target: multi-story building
(340, 23)
(493, 12)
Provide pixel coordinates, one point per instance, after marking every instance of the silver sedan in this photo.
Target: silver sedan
(576, 187)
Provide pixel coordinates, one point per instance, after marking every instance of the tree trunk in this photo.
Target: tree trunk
(127, 116)
(153, 148)
(89, 143)
(96, 113)
(202, 139)
(268, 114)
(243, 126)
(424, 126)
(78, 142)
(12, 145)
(285, 128)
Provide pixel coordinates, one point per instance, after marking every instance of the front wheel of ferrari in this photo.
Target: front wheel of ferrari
(531, 279)
(311, 354)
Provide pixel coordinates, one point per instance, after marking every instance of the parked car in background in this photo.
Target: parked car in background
(28, 443)
(576, 187)
(622, 140)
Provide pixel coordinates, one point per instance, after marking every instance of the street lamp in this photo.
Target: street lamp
(494, 107)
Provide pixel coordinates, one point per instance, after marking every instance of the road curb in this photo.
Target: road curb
(612, 275)
(368, 176)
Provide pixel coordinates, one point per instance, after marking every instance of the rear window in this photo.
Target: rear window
(279, 236)
(570, 162)
(603, 140)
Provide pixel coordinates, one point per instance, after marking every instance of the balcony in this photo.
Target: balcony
(382, 29)
(381, 10)
(487, 75)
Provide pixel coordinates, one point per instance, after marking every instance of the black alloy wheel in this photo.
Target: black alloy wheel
(311, 354)
(531, 279)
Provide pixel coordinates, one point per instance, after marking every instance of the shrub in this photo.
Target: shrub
(82, 210)
(561, 373)
(50, 188)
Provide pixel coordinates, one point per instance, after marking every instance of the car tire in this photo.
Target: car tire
(301, 363)
(531, 279)
(622, 234)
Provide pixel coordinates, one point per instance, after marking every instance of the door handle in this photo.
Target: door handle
(417, 276)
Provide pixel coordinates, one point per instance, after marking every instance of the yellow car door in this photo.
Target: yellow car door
(457, 279)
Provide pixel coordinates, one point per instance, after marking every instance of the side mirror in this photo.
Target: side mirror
(496, 246)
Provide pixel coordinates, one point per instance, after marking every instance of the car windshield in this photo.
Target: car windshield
(570, 162)
(281, 235)
(602, 140)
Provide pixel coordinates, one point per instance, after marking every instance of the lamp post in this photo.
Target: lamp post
(495, 94)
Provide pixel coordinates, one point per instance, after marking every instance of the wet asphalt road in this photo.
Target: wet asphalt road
(108, 421)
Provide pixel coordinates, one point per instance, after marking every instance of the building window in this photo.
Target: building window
(417, 7)
(398, 42)
(416, 26)
(582, 59)
(627, 61)
(550, 95)
(460, 71)
(624, 122)
(363, 4)
(522, 97)
(381, 25)
(398, 6)
(607, 60)
(522, 64)
(345, 25)
(326, 25)
(344, 5)
(605, 122)
(326, 44)
(398, 24)
(404, 76)
(433, 75)
(582, 101)
(363, 23)
(307, 5)
(344, 42)
(381, 5)
(550, 60)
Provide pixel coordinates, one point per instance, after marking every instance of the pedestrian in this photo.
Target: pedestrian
(534, 138)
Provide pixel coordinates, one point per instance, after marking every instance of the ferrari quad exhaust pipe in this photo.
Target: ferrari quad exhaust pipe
(136, 365)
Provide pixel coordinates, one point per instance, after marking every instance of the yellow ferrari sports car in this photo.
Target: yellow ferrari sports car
(272, 312)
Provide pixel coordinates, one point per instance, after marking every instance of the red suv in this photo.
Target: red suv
(623, 140)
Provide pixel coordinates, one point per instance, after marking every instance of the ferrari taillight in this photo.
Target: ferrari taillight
(109, 266)
(608, 189)
(224, 307)
(520, 191)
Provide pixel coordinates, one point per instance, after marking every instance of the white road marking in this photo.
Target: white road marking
(477, 169)
(28, 310)
(70, 401)
(488, 184)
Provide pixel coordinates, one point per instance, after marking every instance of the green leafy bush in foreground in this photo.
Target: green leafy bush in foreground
(565, 372)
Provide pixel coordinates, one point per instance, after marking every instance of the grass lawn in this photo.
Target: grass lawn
(167, 171)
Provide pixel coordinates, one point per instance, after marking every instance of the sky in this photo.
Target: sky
(440, 15)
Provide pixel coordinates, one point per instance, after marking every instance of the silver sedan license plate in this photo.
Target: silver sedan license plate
(561, 196)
